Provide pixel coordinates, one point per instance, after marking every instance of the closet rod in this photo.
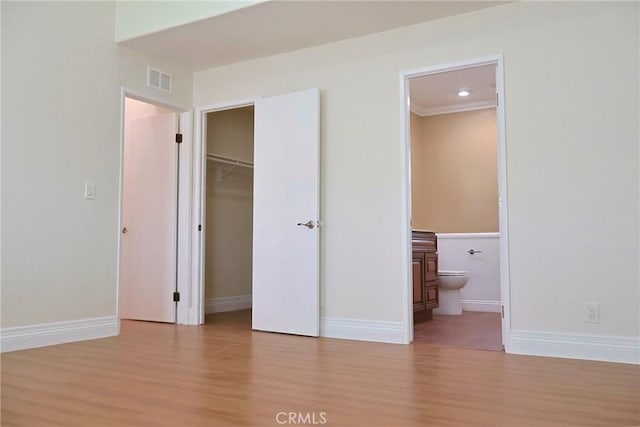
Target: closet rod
(229, 161)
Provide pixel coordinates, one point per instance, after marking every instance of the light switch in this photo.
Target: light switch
(89, 190)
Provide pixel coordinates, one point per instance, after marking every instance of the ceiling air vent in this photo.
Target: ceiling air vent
(158, 79)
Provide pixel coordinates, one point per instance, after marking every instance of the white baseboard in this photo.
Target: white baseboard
(222, 304)
(362, 330)
(589, 347)
(24, 337)
(481, 305)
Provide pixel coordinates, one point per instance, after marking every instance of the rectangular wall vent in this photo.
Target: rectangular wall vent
(158, 79)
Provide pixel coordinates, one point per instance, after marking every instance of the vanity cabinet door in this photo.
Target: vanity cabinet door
(419, 297)
(431, 295)
(431, 266)
(425, 274)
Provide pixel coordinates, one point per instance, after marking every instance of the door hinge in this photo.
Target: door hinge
(176, 297)
(497, 99)
(178, 138)
(502, 310)
(199, 227)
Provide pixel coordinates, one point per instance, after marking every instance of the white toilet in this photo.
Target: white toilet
(449, 285)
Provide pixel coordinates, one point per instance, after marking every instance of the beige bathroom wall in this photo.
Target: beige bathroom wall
(418, 191)
(457, 173)
(229, 205)
(572, 131)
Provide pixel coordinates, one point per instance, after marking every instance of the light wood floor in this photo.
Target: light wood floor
(224, 374)
(470, 330)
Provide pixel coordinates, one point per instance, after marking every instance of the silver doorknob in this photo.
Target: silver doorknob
(473, 251)
(124, 230)
(309, 224)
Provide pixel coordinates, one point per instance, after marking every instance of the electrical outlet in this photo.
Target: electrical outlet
(591, 313)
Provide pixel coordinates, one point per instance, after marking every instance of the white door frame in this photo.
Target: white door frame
(197, 288)
(405, 158)
(184, 200)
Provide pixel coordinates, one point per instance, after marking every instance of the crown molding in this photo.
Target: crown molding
(458, 108)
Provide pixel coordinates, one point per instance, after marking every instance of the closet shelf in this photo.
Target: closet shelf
(229, 161)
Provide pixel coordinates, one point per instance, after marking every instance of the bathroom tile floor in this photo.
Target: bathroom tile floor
(472, 329)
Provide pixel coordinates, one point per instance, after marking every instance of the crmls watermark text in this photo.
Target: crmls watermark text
(301, 418)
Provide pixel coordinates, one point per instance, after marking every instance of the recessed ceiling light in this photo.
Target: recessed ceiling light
(464, 93)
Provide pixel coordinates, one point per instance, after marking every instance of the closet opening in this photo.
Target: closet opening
(228, 216)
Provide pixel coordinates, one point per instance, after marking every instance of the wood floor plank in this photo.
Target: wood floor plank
(224, 374)
(471, 329)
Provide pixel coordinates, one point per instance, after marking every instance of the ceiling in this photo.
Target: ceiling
(438, 93)
(276, 27)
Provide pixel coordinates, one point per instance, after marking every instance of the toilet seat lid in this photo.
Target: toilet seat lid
(451, 273)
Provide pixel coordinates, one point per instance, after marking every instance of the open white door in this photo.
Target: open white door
(286, 214)
(149, 219)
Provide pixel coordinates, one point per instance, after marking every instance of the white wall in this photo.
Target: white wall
(137, 18)
(132, 74)
(61, 78)
(572, 155)
(482, 291)
(60, 127)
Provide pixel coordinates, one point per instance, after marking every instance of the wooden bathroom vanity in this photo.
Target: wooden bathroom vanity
(425, 273)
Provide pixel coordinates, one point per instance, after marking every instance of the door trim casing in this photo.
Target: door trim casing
(184, 200)
(405, 196)
(198, 207)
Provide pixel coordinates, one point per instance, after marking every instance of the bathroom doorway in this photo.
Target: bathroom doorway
(457, 208)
